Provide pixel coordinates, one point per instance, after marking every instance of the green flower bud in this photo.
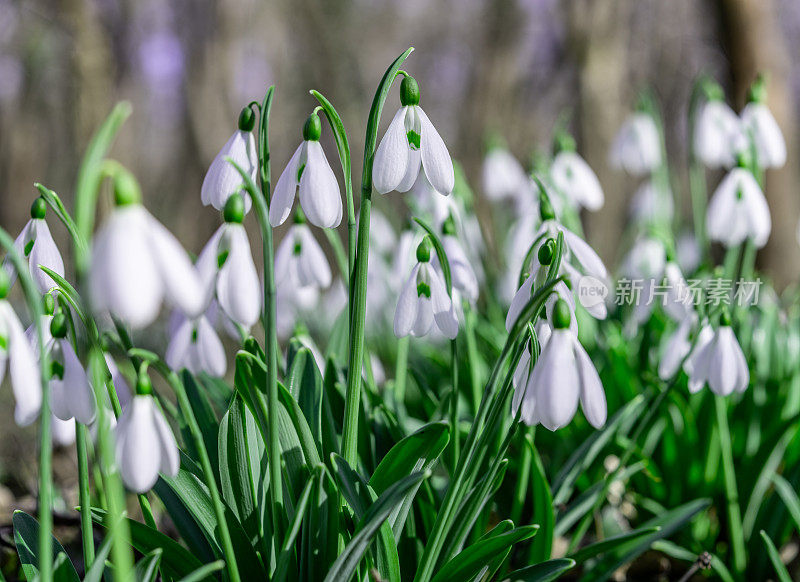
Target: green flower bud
(449, 226)
(546, 211)
(409, 92)
(713, 91)
(247, 119)
(143, 384)
(564, 142)
(38, 208)
(561, 315)
(725, 317)
(5, 284)
(126, 189)
(758, 91)
(424, 250)
(234, 209)
(546, 252)
(48, 304)
(299, 216)
(312, 129)
(58, 326)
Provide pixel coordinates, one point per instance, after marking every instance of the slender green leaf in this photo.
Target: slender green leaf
(543, 510)
(543, 572)
(677, 552)
(608, 544)
(305, 386)
(282, 566)
(147, 567)
(775, 558)
(789, 497)
(204, 572)
(26, 538)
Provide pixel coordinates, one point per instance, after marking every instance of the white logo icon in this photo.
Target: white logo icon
(591, 291)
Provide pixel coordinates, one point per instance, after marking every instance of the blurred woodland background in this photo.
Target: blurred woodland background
(485, 67)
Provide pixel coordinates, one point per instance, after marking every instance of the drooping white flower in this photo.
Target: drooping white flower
(766, 134)
(71, 393)
(576, 181)
(462, 274)
(223, 180)
(309, 173)
(226, 268)
(562, 376)
(145, 445)
(503, 176)
(411, 142)
(36, 244)
(646, 259)
(717, 135)
(137, 262)
(424, 301)
(197, 347)
(676, 348)
(651, 204)
(719, 362)
(62, 431)
(300, 260)
(704, 336)
(637, 146)
(738, 211)
(16, 355)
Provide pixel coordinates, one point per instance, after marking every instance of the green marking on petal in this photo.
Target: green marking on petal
(300, 171)
(194, 335)
(3, 343)
(57, 370)
(221, 258)
(298, 248)
(413, 139)
(423, 289)
(28, 247)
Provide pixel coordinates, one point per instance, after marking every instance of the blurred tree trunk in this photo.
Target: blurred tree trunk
(598, 43)
(751, 31)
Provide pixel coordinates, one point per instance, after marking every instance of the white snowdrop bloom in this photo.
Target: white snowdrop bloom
(310, 175)
(293, 302)
(145, 445)
(411, 142)
(651, 204)
(576, 181)
(716, 134)
(637, 146)
(300, 260)
(226, 268)
(222, 179)
(704, 336)
(676, 348)
(646, 259)
(382, 236)
(765, 132)
(738, 211)
(562, 376)
(196, 346)
(503, 176)
(404, 259)
(462, 274)
(424, 301)
(137, 262)
(71, 393)
(120, 383)
(688, 252)
(17, 356)
(62, 431)
(36, 245)
(720, 363)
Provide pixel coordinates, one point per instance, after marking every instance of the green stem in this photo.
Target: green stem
(472, 356)
(401, 371)
(454, 440)
(358, 295)
(84, 495)
(523, 475)
(731, 490)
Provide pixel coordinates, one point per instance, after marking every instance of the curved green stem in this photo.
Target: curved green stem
(358, 295)
(731, 490)
(84, 495)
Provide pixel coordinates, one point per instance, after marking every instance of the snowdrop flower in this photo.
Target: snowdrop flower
(136, 262)
(381, 233)
(71, 393)
(719, 361)
(145, 444)
(637, 146)
(222, 179)
(738, 211)
(17, 356)
(651, 203)
(196, 346)
(646, 259)
(424, 300)
(764, 130)
(503, 176)
(226, 267)
(62, 431)
(676, 348)
(411, 141)
(716, 133)
(36, 244)
(562, 376)
(308, 172)
(300, 260)
(688, 252)
(463, 276)
(573, 177)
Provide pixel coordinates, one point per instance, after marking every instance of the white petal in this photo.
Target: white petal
(392, 156)
(319, 190)
(238, 286)
(757, 213)
(424, 321)
(283, 196)
(675, 350)
(124, 278)
(443, 311)
(407, 303)
(714, 136)
(207, 266)
(502, 175)
(210, 350)
(44, 253)
(520, 381)
(62, 431)
(463, 275)
(23, 368)
(521, 299)
(584, 254)
(412, 171)
(177, 356)
(222, 179)
(593, 397)
(181, 282)
(19, 246)
(313, 268)
(722, 364)
(770, 145)
(170, 458)
(81, 401)
(435, 157)
(573, 177)
(138, 449)
(726, 220)
(556, 382)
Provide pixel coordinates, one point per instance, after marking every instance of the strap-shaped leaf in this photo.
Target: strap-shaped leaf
(543, 572)
(775, 558)
(147, 567)
(26, 537)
